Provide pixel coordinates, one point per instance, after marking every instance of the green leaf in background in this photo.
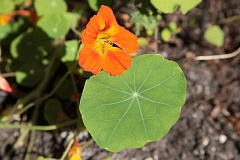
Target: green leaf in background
(29, 74)
(142, 41)
(166, 35)
(170, 6)
(164, 6)
(137, 107)
(95, 4)
(30, 46)
(187, 5)
(172, 26)
(6, 6)
(5, 30)
(72, 18)
(55, 25)
(65, 91)
(52, 109)
(214, 35)
(19, 2)
(70, 51)
(168, 31)
(45, 7)
(146, 20)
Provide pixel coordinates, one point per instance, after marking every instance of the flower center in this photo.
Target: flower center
(103, 42)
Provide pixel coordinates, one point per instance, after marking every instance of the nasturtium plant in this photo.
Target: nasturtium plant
(95, 4)
(171, 5)
(29, 74)
(106, 46)
(30, 46)
(45, 7)
(214, 35)
(136, 107)
(168, 31)
(70, 49)
(6, 6)
(65, 91)
(19, 2)
(142, 41)
(146, 20)
(52, 110)
(72, 18)
(166, 35)
(5, 30)
(55, 25)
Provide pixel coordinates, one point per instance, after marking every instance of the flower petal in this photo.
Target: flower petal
(89, 35)
(106, 17)
(125, 40)
(116, 61)
(90, 60)
(4, 85)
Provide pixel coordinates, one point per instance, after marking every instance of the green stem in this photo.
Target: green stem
(36, 92)
(19, 140)
(32, 135)
(28, 106)
(76, 31)
(87, 144)
(30, 145)
(39, 127)
(230, 19)
(67, 149)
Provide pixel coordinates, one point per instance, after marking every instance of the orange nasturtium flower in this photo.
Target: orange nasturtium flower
(107, 45)
(75, 151)
(5, 19)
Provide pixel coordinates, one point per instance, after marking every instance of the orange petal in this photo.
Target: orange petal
(125, 40)
(75, 151)
(90, 60)
(89, 35)
(5, 19)
(23, 13)
(116, 61)
(106, 17)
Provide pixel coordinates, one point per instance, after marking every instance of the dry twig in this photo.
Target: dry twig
(223, 56)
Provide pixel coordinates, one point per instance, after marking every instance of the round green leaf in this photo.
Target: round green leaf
(45, 7)
(214, 35)
(29, 74)
(171, 5)
(52, 109)
(187, 5)
(137, 107)
(166, 35)
(165, 6)
(19, 2)
(55, 25)
(142, 41)
(5, 30)
(6, 6)
(95, 4)
(172, 26)
(65, 91)
(72, 18)
(70, 51)
(30, 46)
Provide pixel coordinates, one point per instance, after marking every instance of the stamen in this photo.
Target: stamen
(103, 41)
